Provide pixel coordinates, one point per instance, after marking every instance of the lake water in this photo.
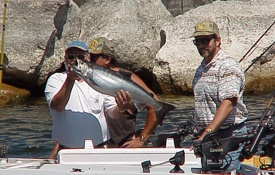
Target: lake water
(26, 128)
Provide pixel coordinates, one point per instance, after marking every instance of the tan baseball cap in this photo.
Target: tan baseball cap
(101, 45)
(206, 28)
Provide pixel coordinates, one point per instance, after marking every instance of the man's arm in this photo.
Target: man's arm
(222, 113)
(61, 99)
(151, 119)
(151, 123)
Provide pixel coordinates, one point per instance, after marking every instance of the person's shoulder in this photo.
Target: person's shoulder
(227, 59)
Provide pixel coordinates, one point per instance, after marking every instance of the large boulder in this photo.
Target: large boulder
(37, 33)
(36, 42)
(241, 25)
(29, 25)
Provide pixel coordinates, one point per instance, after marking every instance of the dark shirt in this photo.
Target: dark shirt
(121, 130)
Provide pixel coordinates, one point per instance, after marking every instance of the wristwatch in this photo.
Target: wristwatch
(142, 139)
(208, 130)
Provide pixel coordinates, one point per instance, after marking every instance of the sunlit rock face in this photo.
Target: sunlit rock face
(153, 38)
(241, 25)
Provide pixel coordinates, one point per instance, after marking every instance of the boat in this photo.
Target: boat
(159, 159)
(109, 161)
(114, 161)
(166, 156)
(165, 159)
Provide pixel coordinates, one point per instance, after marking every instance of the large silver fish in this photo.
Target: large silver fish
(109, 82)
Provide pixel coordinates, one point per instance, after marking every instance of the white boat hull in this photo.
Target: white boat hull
(100, 161)
(112, 161)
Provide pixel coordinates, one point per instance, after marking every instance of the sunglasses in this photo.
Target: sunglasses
(73, 56)
(203, 41)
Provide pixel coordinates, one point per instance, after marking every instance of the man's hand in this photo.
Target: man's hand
(134, 143)
(71, 75)
(124, 102)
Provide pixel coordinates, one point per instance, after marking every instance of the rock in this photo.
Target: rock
(241, 24)
(29, 25)
(134, 25)
(12, 95)
(37, 33)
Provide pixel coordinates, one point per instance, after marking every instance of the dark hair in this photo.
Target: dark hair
(62, 68)
(215, 38)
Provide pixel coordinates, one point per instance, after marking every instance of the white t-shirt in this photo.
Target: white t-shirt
(84, 114)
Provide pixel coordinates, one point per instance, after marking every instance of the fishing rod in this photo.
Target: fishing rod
(265, 111)
(255, 60)
(2, 45)
(257, 42)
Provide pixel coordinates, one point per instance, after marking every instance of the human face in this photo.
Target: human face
(100, 60)
(207, 46)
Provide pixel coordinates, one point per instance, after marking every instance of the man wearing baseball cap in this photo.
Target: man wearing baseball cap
(78, 111)
(218, 87)
(78, 44)
(122, 130)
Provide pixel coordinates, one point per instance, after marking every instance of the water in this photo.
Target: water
(26, 128)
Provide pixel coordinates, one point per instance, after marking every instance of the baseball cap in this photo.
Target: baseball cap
(206, 28)
(101, 45)
(78, 44)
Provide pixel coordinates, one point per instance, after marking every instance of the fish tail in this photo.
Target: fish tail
(166, 107)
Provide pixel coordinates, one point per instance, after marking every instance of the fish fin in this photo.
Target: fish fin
(163, 111)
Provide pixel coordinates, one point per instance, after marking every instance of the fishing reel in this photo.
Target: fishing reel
(264, 128)
(269, 150)
(189, 128)
(186, 131)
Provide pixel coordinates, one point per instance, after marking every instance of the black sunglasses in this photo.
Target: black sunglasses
(203, 41)
(73, 56)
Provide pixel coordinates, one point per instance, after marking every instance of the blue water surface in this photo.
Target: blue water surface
(26, 128)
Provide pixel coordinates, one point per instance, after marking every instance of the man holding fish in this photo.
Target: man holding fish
(79, 111)
(122, 130)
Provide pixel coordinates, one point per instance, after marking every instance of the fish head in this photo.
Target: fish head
(84, 66)
(81, 67)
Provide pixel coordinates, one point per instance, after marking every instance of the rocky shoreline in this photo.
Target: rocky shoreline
(153, 39)
(12, 95)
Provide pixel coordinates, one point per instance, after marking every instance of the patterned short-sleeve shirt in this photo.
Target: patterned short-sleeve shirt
(220, 79)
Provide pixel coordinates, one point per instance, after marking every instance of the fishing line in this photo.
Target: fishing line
(257, 41)
(255, 60)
